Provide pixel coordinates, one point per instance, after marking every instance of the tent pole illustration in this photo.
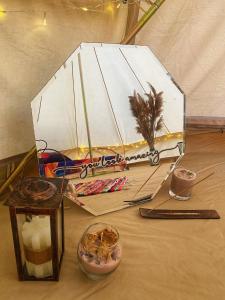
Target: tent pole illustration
(85, 109)
(74, 101)
(110, 102)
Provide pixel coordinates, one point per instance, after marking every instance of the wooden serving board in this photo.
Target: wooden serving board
(133, 191)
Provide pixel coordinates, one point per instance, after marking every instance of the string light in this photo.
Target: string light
(176, 135)
(109, 8)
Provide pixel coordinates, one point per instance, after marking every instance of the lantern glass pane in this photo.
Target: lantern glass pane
(35, 236)
(20, 221)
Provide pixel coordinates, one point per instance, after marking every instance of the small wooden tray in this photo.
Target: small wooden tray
(178, 214)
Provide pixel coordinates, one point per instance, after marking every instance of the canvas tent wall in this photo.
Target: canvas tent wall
(32, 53)
(109, 74)
(187, 36)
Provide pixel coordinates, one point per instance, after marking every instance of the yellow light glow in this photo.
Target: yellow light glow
(2, 12)
(44, 20)
(84, 8)
(44, 23)
(109, 8)
(131, 146)
(118, 5)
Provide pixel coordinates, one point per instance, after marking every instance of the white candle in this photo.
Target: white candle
(26, 238)
(36, 243)
(36, 236)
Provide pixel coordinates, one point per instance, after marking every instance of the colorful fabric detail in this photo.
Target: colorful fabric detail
(100, 186)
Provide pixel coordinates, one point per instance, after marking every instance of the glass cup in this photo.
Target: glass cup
(181, 183)
(99, 250)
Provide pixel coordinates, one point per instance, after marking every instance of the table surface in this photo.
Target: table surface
(162, 259)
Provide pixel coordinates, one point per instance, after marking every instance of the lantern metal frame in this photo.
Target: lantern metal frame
(50, 207)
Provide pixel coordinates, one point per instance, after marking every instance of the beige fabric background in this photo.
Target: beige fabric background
(187, 36)
(189, 39)
(31, 54)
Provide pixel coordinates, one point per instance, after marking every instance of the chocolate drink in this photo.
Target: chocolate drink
(181, 183)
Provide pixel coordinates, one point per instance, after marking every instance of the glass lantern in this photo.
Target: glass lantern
(99, 250)
(36, 213)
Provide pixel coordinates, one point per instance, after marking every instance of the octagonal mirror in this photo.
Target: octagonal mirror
(111, 120)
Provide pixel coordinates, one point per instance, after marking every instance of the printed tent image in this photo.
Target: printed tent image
(102, 102)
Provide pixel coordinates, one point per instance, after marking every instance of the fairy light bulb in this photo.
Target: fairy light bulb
(109, 8)
(44, 20)
(84, 8)
(2, 13)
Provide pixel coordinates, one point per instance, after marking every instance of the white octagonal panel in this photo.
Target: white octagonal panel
(84, 112)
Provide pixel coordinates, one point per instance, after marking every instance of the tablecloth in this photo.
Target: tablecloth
(162, 259)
